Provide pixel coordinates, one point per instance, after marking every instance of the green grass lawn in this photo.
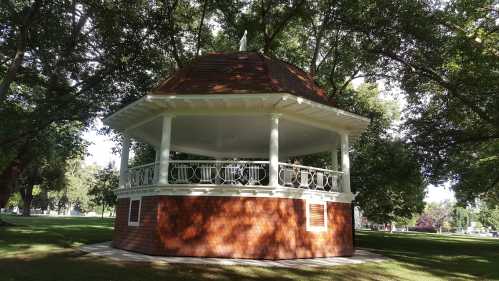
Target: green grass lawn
(41, 248)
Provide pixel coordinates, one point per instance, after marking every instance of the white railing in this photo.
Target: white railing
(218, 172)
(202, 172)
(307, 177)
(143, 175)
(233, 172)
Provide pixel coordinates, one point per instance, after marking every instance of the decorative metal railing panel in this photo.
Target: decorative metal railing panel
(218, 172)
(143, 175)
(233, 172)
(307, 177)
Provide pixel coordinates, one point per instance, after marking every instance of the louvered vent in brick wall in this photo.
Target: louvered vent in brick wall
(316, 213)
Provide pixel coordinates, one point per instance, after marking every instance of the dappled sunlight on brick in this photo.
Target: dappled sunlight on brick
(237, 227)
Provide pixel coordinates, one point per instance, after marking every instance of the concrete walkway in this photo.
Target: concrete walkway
(105, 250)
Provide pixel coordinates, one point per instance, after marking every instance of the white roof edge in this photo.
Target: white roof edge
(105, 119)
(259, 96)
(216, 96)
(332, 108)
(298, 99)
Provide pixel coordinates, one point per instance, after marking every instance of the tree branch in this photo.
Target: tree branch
(170, 10)
(436, 77)
(21, 44)
(198, 45)
(280, 26)
(318, 41)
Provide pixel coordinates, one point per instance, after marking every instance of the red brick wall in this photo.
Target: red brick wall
(142, 238)
(237, 227)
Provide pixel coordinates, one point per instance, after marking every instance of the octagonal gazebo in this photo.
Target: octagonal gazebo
(251, 115)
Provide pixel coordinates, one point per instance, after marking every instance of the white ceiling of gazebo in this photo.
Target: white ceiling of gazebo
(236, 136)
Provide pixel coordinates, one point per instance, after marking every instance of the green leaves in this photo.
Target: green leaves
(101, 191)
(64, 63)
(384, 169)
(387, 175)
(489, 217)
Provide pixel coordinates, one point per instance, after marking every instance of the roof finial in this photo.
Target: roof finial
(242, 42)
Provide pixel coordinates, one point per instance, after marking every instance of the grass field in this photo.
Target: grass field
(41, 248)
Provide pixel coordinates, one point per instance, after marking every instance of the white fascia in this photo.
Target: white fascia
(276, 102)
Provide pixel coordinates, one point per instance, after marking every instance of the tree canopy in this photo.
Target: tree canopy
(64, 63)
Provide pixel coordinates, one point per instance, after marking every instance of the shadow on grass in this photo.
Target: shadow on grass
(443, 256)
(41, 248)
(75, 265)
(37, 233)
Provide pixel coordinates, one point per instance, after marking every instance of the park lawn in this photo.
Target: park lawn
(42, 248)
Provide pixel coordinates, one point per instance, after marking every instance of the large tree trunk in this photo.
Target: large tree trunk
(4, 194)
(27, 209)
(27, 196)
(45, 202)
(7, 181)
(103, 208)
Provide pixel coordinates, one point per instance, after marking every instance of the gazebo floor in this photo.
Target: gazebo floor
(105, 250)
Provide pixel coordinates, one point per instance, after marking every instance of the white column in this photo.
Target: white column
(274, 151)
(125, 148)
(334, 156)
(164, 150)
(156, 166)
(345, 162)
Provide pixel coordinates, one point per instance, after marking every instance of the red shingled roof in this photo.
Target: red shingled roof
(242, 72)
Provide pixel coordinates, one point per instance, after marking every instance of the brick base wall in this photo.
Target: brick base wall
(142, 238)
(234, 227)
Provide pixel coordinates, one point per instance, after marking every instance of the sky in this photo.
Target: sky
(100, 150)
(438, 194)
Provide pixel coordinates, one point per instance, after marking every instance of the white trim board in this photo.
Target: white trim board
(236, 191)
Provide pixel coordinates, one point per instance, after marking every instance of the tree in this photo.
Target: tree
(387, 176)
(102, 190)
(461, 217)
(444, 57)
(386, 190)
(440, 214)
(65, 62)
(425, 223)
(384, 170)
(142, 154)
(79, 180)
(405, 221)
(47, 165)
(488, 215)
